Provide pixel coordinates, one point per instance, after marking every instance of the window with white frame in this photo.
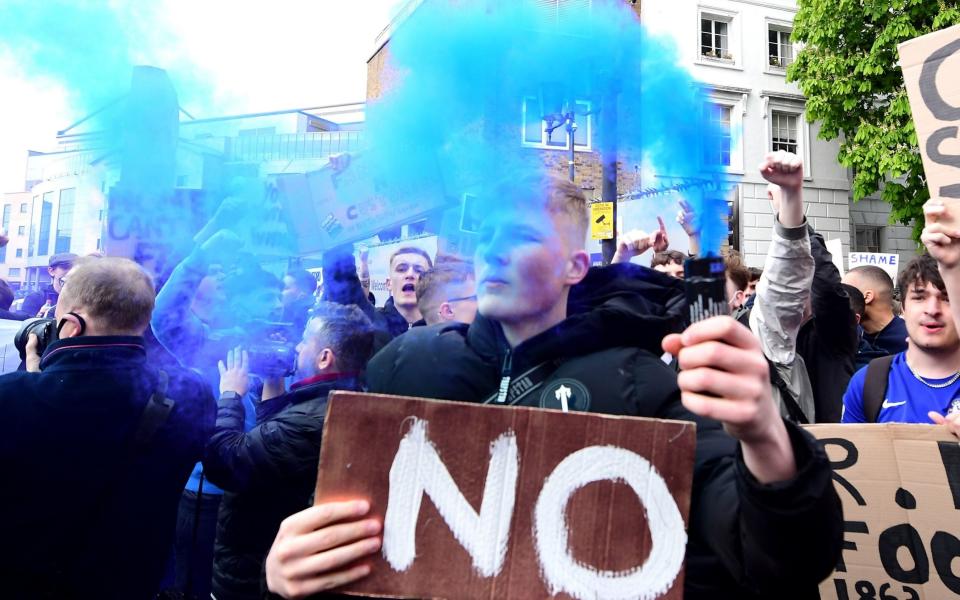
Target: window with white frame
(785, 131)
(715, 36)
(535, 127)
(718, 146)
(779, 46)
(722, 146)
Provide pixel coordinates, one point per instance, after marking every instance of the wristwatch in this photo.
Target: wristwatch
(229, 396)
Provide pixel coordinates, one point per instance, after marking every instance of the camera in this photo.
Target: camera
(45, 330)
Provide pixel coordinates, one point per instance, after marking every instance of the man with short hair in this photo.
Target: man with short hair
(407, 264)
(270, 471)
(925, 378)
(448, 292)
(601, 332)
(669, 262)
(59, 265)
(737, 281)
(83, 428)
(881, 327)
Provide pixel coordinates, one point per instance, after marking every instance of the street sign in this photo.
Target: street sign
(601, 221)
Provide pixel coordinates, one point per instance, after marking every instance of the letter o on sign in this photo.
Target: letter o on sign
(563, 573)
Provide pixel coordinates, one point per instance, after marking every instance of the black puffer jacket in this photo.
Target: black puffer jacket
(747, 540)
(267, 473)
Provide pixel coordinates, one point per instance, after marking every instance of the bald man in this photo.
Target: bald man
(881, 328)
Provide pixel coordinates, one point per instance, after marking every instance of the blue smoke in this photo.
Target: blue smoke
(461, 72)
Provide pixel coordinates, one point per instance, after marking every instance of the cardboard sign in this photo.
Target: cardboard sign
(900, 488)
(888, 262)
(601, 221)
(930, 65)
(493, 502)
(343, 203)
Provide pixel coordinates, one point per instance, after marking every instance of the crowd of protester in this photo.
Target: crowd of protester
(168, 442)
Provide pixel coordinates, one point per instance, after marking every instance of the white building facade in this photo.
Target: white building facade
(740, 50)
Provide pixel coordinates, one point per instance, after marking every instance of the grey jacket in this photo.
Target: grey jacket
(778, 312)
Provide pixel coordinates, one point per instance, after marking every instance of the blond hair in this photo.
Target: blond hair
(432, 287)
(560, 197)
(114, 292)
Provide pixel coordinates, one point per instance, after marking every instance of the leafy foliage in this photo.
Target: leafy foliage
(849, 71)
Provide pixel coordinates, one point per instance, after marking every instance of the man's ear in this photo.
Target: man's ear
(70, 329)
(446, 313)
(577, 267)
(868, 296)
(325, 360)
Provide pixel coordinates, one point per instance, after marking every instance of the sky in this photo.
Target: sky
(244, 56)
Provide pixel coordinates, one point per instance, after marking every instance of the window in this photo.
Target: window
(21, 230)
(785, 131)
(33, 229)
(6, 217)
(779, 47)
(3, 254)
(46, 215)
(13, 272)
(65, 220)
(866, 238)
(718, 147)
(535, 127)
(19, 252)
(715, 37)
(23, 208)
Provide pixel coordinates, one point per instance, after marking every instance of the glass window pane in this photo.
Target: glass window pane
(532, 125)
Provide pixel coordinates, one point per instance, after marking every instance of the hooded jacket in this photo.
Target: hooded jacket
(747, 540)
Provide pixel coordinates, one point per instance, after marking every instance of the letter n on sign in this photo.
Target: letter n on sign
(503, 502)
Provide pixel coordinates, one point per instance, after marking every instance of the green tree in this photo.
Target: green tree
(849, 72)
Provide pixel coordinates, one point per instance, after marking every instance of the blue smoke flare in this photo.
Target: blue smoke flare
(460, 76)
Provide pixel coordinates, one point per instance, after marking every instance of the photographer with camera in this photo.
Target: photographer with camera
(270, 471)
(99, 444)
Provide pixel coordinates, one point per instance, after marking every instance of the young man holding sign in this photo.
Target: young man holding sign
(764, 520)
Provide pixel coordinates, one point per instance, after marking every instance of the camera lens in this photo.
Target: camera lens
(45, 330)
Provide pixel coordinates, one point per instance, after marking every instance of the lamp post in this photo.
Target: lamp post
(568, 119)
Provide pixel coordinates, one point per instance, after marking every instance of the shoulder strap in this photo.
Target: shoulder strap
(875, 387)
(154, 414)
(524, 384)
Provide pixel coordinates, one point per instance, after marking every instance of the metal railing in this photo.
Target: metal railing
(293, 146)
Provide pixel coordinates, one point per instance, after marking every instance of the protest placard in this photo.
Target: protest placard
(888, 262)
(493, 502)
(930, 64)
(900, 488)
(344, 202)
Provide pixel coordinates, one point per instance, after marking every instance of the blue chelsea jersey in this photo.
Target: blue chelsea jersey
(908, 399)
